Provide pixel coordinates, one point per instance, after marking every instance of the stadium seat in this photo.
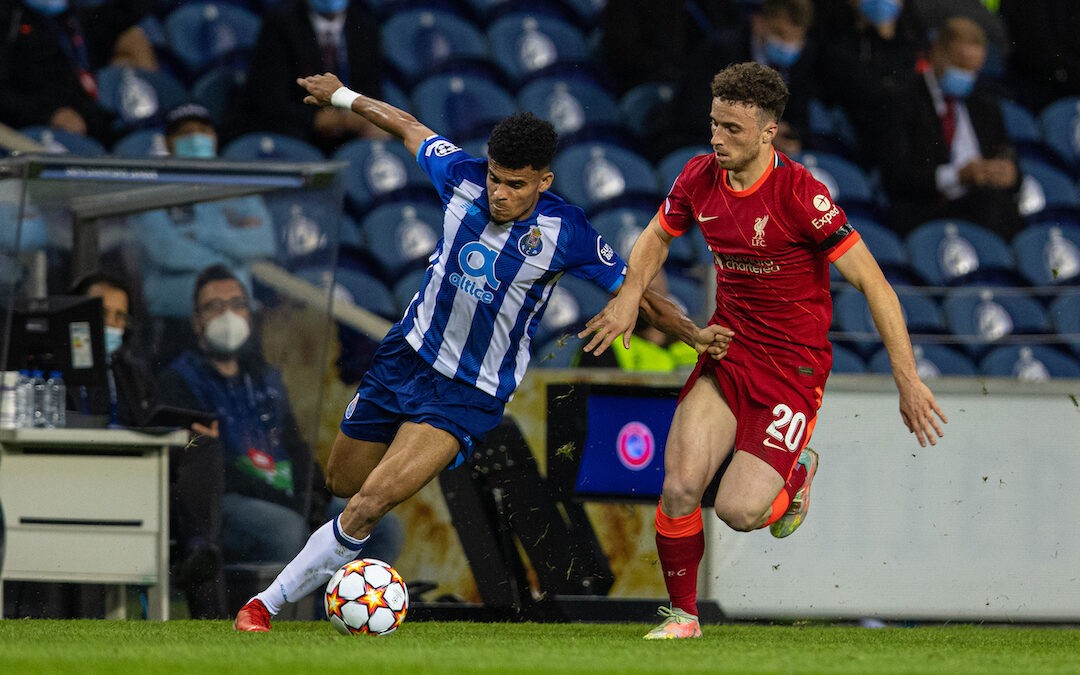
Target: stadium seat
(207, 34)
(846, 362)
(461, 105)
(572, 303)
(671, 165)
(931, 360)
(401, 236)
(406, 286)
(1065, 317)
(1061, 128)
(306, 228)
(621, 226)
(1047, 193)
(380, 170)
(693, 296)
(1025, 134)
(830, 129)
(420, 42)
(271, 146)
(578, 107)
(948, 252)
(216, 87)
(363, 290)
(981, 317)
(142, 143)
(1031, 363)
(886, 245)
(1049, 253)
(596, 174)
(139, 98)
(638, 104)
(58, 141)
(849, 186)
(851, 316)
(527, 44)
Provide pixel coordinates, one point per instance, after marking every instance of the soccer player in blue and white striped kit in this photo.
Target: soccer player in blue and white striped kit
(443, 374)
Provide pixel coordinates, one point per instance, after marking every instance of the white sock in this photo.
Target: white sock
(327, 549)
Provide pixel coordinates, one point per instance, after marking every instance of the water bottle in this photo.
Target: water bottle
(7, 399)
(37, 398)
(55, 404)
(24, 398)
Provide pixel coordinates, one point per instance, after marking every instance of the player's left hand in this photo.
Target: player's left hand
(319, 88)
(714, 340)
(917, 408)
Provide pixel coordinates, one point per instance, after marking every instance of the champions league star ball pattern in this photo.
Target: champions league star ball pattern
(366, 596)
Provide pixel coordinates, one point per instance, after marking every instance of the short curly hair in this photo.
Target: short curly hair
(522, 140)
(752, 84)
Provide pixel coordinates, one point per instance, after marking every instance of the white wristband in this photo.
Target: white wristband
(343, 97)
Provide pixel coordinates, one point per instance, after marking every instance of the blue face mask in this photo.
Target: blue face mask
(48, 7)
(880, 11)
(114, 337)
(202, 146)
(781, 54)
(957, 82)
(329, 6)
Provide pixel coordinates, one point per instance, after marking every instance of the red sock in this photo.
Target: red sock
(680, 543)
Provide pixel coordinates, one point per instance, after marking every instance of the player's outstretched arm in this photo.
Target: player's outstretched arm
(917, 404)
(326, 89)
(665, 315)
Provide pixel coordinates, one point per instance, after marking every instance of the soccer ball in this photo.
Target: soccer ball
(366, 596)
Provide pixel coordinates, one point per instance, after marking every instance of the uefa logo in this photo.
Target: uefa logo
(635, 446)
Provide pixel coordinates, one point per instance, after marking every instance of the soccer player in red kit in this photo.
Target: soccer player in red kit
(773, 229)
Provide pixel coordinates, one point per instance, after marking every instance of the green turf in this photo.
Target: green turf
(89, 646)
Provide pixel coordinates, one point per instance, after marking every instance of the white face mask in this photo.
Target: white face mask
(227, 332)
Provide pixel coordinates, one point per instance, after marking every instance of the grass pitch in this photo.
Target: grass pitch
(89, 646)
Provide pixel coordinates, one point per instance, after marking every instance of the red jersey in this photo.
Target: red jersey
(772, 244)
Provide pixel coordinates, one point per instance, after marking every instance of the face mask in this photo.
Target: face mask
(782, 54)
(880, 11)
(329, 6)
(957, 82)
(227, 333)
(114, 337)
(48, 7)
(202, 146)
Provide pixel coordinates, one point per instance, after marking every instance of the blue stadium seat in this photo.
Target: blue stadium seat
(139, 98)
(1047, 193)
(572, 303)
(406, 286)
(982, 317)
(931, 360)
(401, 236)
(420, 42)
(830, 129)
(1048, 253)
(528, 44)
(671, 165)
(577, 106)
(142, 143)
(380, 170)
(363, 290)
(597, 174)
(693, 296)
(570, 11)
(270, 146)
(621, 226)
(1020, 123)
(58, 141)
(461, 105)
(1065, 317)
(207, 34)
(1061, 128)
(395, 95)
(846, 362)
(851, 315)
(886, 245)
(948, 252)
(1034, 363)
(638, 104)
(306, 228)
(216, 87)
(849, 186)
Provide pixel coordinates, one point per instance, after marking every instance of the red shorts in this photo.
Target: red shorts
(774, 415)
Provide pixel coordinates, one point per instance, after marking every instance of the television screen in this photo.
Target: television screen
(61, 332)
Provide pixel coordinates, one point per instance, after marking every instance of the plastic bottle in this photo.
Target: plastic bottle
(55, 403)
(37, 398)
(24, 393)
(7, 399)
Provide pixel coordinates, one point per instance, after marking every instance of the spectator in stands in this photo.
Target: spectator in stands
(49, 52)
(869, 49)
(778, 35)
(177, 243)
(947, 154)
(1045, 59)
(300, 38)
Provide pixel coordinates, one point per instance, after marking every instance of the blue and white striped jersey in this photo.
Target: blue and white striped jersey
(487, 285)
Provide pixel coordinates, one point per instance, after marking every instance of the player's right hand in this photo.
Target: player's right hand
(617, 318)
(319, 88)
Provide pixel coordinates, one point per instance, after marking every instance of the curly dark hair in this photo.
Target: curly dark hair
(522, 140)
(752, 84)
